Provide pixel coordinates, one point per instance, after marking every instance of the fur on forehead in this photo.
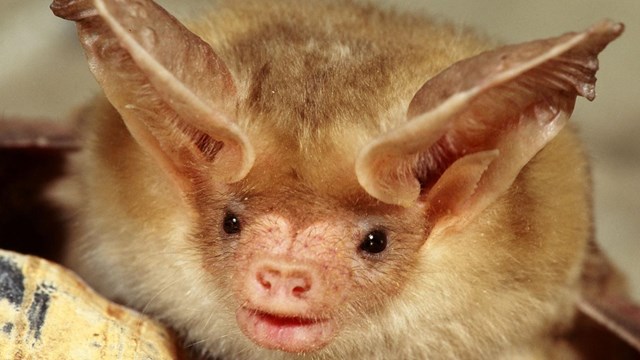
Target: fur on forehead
(324, 86)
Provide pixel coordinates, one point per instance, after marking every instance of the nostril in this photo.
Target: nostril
(299, 284)
(267, 278)
(298, 291)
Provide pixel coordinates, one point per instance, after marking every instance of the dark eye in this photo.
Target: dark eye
(375, 242)
(231, 223)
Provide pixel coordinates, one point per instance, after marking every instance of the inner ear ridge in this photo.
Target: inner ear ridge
(192, 146)
(204, 118)
(439, 106)
(521, 99)
(458, 183)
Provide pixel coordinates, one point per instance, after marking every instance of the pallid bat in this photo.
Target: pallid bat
(329, 180)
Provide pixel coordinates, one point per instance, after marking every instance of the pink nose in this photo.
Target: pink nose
(283, 280)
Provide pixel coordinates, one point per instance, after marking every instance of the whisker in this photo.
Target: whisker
(154, 297)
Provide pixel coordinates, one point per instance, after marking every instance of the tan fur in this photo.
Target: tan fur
(317, 81)
(295, 80)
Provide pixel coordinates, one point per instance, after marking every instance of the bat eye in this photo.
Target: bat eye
(375, 242)
(231, 223)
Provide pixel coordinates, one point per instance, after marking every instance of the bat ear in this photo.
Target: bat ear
(172, 91)
(474, 126)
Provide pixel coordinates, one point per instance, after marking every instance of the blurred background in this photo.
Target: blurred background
(43, 73)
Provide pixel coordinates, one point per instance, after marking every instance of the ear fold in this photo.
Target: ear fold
(168, 85)
(473, 127)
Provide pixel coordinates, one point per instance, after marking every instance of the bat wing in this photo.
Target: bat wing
(608, 323)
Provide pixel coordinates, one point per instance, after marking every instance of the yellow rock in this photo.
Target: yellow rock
(47, 312)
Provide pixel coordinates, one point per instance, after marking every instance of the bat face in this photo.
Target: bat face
(299, 265)
(333, 180)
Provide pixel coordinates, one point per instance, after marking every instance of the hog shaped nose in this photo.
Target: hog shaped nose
(292, 287)
(284, 281)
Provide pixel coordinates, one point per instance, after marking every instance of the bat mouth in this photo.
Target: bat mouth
(290, 332)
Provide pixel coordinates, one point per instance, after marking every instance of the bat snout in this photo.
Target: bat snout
(287, 305)
(284, 286)
(284, 280)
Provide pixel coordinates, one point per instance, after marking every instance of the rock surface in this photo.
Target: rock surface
(47, 312)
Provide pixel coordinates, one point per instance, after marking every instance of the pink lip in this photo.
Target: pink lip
(287, 333)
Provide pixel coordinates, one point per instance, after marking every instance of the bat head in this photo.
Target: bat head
(296, 244)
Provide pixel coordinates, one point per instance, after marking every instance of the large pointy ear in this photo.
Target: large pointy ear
(168, 85)
(474, 126)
